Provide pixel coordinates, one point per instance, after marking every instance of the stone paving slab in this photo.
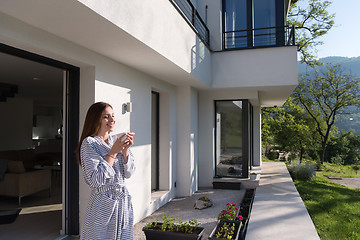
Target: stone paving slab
(278, 211)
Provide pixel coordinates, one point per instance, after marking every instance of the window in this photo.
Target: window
(253, 23)
(232, 138)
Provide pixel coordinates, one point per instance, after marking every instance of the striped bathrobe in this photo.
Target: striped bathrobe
(109, 214)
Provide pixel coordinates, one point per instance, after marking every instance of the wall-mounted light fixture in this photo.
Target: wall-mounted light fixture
(128, 107)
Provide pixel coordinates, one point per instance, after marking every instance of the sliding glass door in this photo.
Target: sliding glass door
(233, 138)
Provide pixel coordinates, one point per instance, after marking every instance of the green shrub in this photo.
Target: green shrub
(356, 168)
(272, 155)
(302, 171)
(319, 166)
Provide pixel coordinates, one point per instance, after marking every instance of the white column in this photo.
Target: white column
(186, 128)
(257, 135)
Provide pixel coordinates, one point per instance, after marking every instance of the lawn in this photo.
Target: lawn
(334, 209)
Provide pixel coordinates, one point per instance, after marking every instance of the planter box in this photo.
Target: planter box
(238, 225)
(226, 185)
(154, 234)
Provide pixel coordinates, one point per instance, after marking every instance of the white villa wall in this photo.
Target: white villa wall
(153, 23)
(187, 129)
(255, 68)
(102, 79)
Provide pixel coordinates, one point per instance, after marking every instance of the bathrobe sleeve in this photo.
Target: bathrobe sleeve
(97, 171)
(129, 167)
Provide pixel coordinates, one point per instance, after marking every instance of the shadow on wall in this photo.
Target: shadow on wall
(201, 62)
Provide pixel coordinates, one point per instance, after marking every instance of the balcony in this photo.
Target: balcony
(260, 37)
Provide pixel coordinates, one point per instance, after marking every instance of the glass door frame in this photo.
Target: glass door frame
(247, 136)
(71, 130)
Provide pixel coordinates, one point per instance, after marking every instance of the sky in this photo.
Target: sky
(344, 38)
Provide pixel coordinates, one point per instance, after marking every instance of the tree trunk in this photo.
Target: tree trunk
(301, 154)
(322, 153)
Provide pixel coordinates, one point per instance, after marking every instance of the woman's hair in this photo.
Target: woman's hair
(92, 123)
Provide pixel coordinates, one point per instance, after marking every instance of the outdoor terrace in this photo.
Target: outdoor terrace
(277, 212)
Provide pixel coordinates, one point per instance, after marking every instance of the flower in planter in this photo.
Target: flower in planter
(229, 213)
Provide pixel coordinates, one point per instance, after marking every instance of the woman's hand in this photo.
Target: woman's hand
(129, 141)
(122, 145)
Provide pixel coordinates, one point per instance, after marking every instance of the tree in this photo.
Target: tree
(324, 96)
(344, 148)
(312, 21)
(290, 127)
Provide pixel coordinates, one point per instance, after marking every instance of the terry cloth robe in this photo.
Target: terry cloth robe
(109, 214)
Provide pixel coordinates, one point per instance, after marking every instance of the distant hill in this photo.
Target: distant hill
(351, 66)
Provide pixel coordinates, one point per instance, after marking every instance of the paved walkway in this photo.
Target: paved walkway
(278, 211)
(348, 182)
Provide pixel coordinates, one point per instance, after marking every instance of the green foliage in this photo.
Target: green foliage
(225, 231)
(334, 209)
(356, 168)
(204, 198)
(300, 171)
(173, 224)
(344, 148)
(312, 21)
(335, 170)
(272, 155)
(290, 126)
(324, 96)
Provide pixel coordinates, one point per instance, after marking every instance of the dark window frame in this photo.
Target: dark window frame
(279, 25)
(157, 94)
(247, 135)
(72, 127)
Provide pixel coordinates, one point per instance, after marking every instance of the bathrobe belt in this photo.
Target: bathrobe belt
(121, 196)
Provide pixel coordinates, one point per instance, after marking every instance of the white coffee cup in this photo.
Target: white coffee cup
(122, 135)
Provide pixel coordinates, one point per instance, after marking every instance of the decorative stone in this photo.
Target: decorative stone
(203, 203)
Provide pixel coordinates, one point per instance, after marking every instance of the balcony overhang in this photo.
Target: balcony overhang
(271, 72)
(77, 23)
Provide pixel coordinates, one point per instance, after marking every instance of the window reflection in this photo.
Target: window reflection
(229, 155)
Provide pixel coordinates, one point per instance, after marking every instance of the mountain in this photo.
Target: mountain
(350, 66)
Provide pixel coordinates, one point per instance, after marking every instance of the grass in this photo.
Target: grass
(335, 170)
(334, 209)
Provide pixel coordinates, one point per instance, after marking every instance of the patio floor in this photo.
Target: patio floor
(182, 208)
(277, 213)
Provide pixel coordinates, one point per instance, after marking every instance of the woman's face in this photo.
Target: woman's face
(107, 120)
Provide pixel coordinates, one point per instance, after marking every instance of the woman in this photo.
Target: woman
(106, 161)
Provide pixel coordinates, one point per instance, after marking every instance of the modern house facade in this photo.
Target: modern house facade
(188, 77)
